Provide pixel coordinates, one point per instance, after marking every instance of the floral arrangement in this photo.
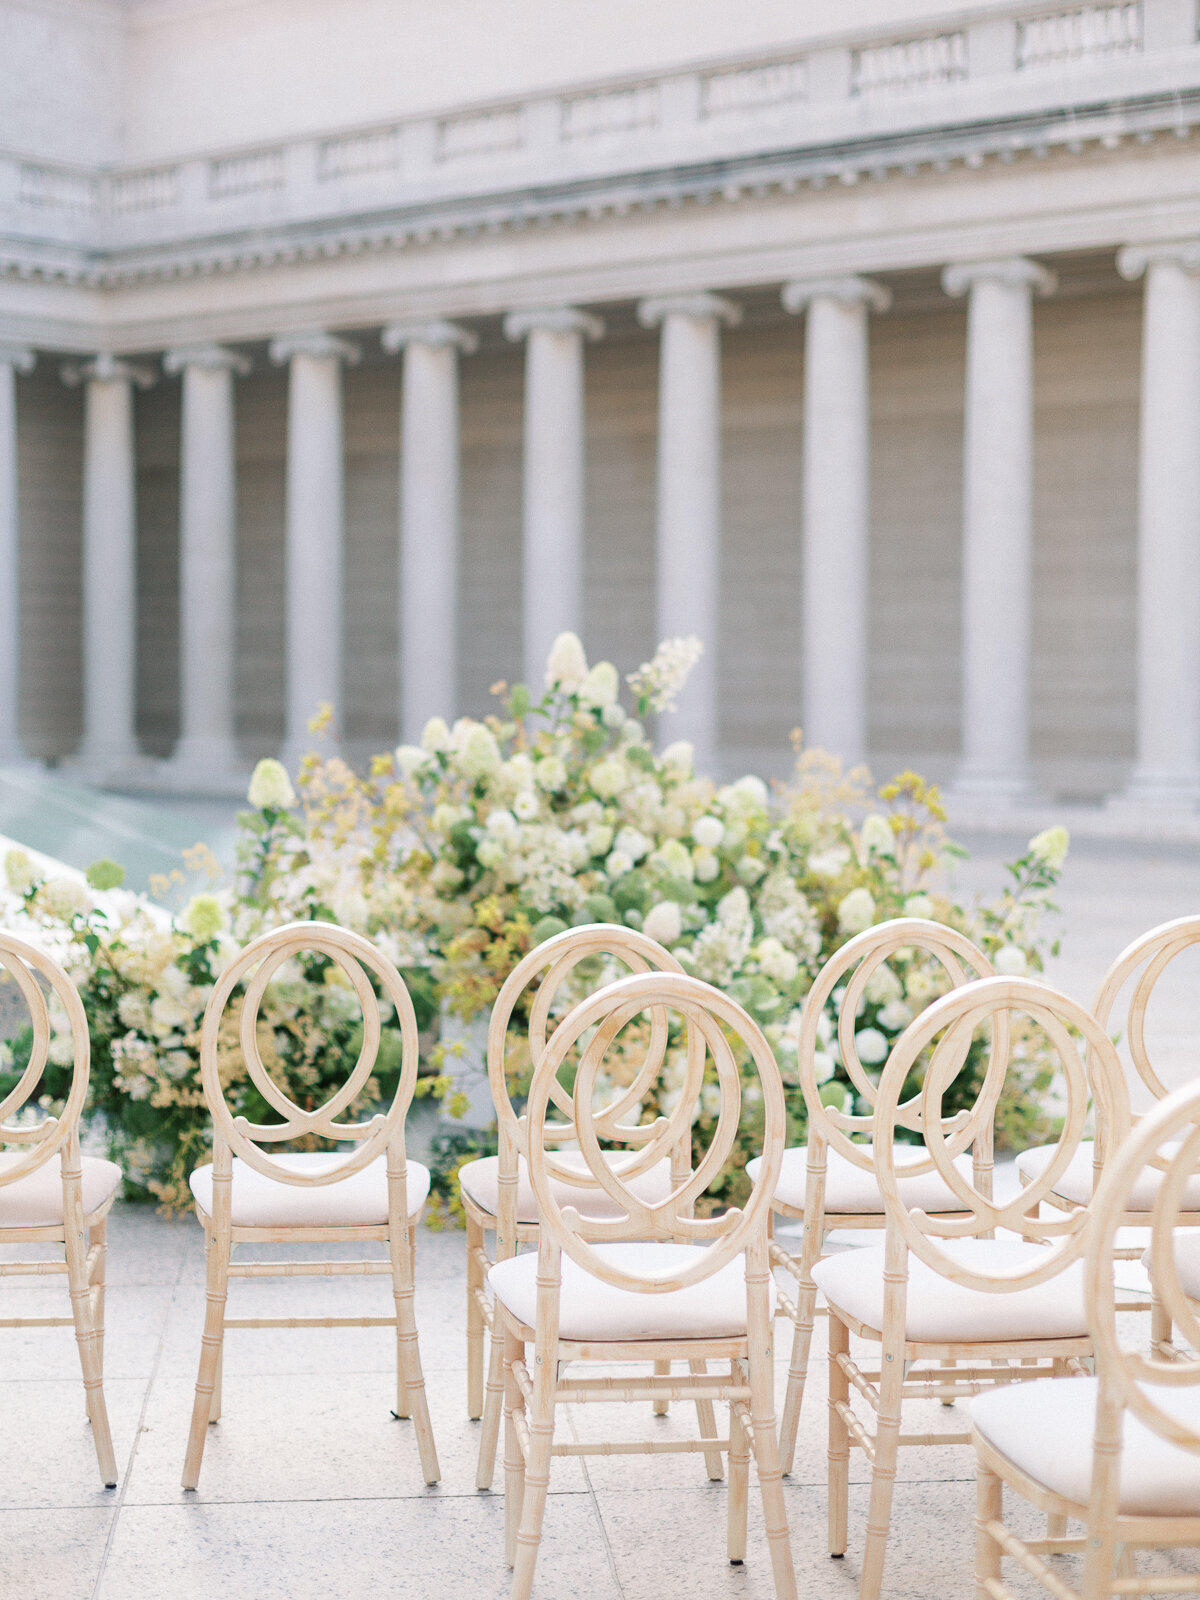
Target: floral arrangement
(463, 852)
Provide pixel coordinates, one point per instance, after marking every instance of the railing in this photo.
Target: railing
(1090, 33)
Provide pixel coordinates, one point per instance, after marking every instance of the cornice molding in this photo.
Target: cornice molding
(850, 290)
(1015, 272)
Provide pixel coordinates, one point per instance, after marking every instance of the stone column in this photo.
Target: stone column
(1168, 585)
(109, 745)
(689, 499)
(206, 755)
(997, 521)
(429, 519)
(315, 530)
(837, 466)
(552, 517)
(13, 359)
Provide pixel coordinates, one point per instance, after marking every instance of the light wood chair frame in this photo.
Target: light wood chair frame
(532, 1392)
(552, 962)
(83, 1235)
(381, 1135)
(1109, 1538)
(828, 1127)
(969, 1367)
(1154, 951)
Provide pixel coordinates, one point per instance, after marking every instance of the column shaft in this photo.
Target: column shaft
(12, 361)
(208, 583)
(688, 538)
(1168, 648)
(997, 523)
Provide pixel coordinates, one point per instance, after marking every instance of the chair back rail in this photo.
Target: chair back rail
(39, 1140)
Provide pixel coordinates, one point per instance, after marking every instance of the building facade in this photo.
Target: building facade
(350, 349)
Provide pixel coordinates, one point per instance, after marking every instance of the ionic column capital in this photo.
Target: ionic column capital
(1133, 259)
(552, 319)
(17, 356)
(106, 368)
(435, 332)
(209, 357)
(848, 291)
(1014, 272)
(314, 343)
(652, 312)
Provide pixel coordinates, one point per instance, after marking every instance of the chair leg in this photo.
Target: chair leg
(537, 1476)
(989, 1507)
(1160, 1326)
(739, 1481)
(90, 1360)
(806, 1308)
(214, 1409)
(98, 1239)
(514, 1457)
(839, 1437)
(1056, 1522)
(216, 1292)
(475, 1323)
(493, 1405)
(706, 1417)
(410, 1380)
(760, 1368)
(883, 1474)
(662, 1369)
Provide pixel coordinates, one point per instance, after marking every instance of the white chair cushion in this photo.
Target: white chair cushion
(1045, 1428)
(941, 1312)
(591, 1309)
(359, 1201)
(1075, 1184)
(480, 1181)
(36, 1201)
(1187, 1261)
(849, 1188)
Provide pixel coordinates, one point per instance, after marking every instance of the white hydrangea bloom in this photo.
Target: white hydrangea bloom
(614, 716)
(733, 909)
(871, 1047)
(550, 774)
(601, 686)
(706, 865)
(919, 905)
(663, 923)
(824, 1066)
(1010, 961)
(599, 839)
(659, 681)
(750, 869)
(65, 898)
(502, 824)
(828, 863)
(566, 665)
(780, 965)
(876, 836)
(632, 843)
(20, 872)
(680, 757)
(708, 832)
(895, 1015)
(435, 737)
(856, 911)
(1050, 847)
(609, 777)
(883, 985)
(270, 787)
(410, 758)
(618, 864)
(526, 805)
(721, 947)
(479, 754)
(787, 916)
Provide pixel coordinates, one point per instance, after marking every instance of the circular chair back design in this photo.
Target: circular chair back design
(860, 958)
(946, 1029)
(258, 963)
(1150, 956)
(39, 1141)
(711, 1019)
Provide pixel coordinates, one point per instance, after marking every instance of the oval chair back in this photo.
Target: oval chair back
(1147, 957)
(38, 1140)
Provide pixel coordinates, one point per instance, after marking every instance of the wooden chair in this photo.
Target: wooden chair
(944, 1289)
(626, 1289)
(830, 1182)
(249, 1197)
(50, 1193)
(1145, 960)
(1120, 1451)
(496, 1193)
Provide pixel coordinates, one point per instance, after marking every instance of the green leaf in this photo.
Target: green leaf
(520, 702)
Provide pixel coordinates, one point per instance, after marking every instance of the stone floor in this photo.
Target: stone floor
(311, 1489)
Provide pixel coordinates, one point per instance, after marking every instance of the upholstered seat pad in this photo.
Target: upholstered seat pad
(850, 1188)
(591, 1309)
(1045, 1428)
(941, 1312)
(36, 1200)
(480, 1181)
(359, 1201)
(1076, 1182)
(1187, 1261)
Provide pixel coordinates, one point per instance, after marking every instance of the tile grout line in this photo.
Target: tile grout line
(595, 1499)
(124, 1485)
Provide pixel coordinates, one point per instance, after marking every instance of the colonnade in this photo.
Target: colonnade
(997, 520)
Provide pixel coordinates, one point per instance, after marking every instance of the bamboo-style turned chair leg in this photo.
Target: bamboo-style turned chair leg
(1056, 1521)
(410, 1379)
(839, 1438)
(514, 1460)
(661, 1370)
(214, 1407)
(89, 1350)
(883, 1475)
(1160, 1326)
(476, 1328)
(706, 1417)
(739, 1482)
(806, 1310)
(216, 1292)
(761, 1373)
(98, 1239)
(989, 1507)
(493, 1406)
(540, 1415)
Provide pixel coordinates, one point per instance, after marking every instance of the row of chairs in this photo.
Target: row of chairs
(625, 1270)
